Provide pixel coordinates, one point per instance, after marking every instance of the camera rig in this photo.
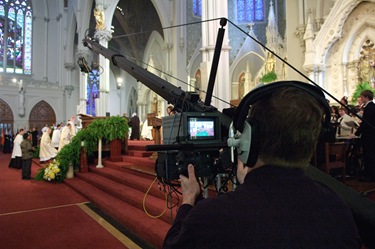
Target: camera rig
(186, 144)
(209, 153)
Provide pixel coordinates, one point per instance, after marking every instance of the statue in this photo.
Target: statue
(100, 18)
(366, 62)
(270, 63)
(21, 107)
(154, 105)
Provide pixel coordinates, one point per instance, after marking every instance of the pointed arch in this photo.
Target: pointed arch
(41, 114)
(6, 116)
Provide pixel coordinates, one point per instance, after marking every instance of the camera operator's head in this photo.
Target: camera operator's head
(286, 123)
(289, 124)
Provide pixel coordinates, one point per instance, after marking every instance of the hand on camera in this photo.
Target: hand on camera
(191, 188)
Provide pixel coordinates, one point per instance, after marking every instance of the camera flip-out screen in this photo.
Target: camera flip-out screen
(201, 128)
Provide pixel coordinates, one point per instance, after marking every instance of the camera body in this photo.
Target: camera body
(196, 138)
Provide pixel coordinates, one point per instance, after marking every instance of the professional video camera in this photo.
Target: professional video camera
(197, 138)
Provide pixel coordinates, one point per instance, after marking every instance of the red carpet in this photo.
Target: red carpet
(41, 215)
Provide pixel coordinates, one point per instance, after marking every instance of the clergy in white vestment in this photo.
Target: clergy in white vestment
(67, 134)
(47, 151)
(146, 131)
(56, 136)
(16, 161)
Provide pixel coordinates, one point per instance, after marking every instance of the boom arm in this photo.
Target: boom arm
(182, 101)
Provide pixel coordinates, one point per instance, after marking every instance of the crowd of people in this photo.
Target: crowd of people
(358, 122)
(50, 140)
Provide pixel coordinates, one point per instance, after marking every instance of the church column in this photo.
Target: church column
(248, 83)
(345, 79)
(103, 35)
(45, 77)
(214, 9)
(69, 68)
(141, 111)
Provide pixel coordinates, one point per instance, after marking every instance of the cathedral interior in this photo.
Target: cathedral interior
(47, 74)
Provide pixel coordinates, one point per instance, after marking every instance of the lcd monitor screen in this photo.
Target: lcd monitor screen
(201, 128)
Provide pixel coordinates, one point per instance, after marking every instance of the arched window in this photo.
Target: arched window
(15, 36)
(250, 10)
(92, 91)
(197, 8)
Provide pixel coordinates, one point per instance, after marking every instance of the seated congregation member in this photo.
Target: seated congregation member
(16, 161)
(276, 205)
(27, 156)
(47, 151)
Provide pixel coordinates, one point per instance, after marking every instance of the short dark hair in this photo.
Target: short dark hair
(288, 125)
(26, 135)
(367, 94)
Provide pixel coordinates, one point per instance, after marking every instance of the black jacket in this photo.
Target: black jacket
(274, 208)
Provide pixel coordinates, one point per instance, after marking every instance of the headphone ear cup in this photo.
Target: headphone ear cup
(246, 143)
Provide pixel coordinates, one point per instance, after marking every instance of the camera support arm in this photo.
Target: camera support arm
(182, 101)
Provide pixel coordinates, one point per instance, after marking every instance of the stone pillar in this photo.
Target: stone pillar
(103, 36)
(345, 79)
(69, 87)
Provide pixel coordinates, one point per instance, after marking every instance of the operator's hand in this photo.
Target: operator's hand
(190, 186)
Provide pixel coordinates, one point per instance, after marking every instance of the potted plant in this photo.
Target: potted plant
(111, 128)
(268, 77)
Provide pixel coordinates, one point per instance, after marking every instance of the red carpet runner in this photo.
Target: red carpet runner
(38, 215)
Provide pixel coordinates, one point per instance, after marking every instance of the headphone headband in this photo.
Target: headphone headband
(246, 141)
(261, 92)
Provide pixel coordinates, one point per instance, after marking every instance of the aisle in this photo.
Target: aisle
(39, 214)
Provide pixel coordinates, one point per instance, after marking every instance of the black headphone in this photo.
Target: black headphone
(243, 135)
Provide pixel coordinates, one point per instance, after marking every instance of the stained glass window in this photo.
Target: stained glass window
(92, 91)
(250, 10)
(15, 36)
(197, 7)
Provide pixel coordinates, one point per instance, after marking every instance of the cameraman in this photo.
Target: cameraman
(276, 205)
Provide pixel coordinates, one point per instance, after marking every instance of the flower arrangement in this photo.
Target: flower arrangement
(51, 173)
(107, 128)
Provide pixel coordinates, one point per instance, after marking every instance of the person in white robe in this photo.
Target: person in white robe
(16, 161)
(47, 151)
(146, 131)
(56, 136)
(67, 134)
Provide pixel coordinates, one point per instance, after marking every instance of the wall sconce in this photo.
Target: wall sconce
(119, 83)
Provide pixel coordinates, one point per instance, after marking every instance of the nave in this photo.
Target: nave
(43, 215)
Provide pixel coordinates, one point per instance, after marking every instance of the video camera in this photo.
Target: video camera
(192, 138)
